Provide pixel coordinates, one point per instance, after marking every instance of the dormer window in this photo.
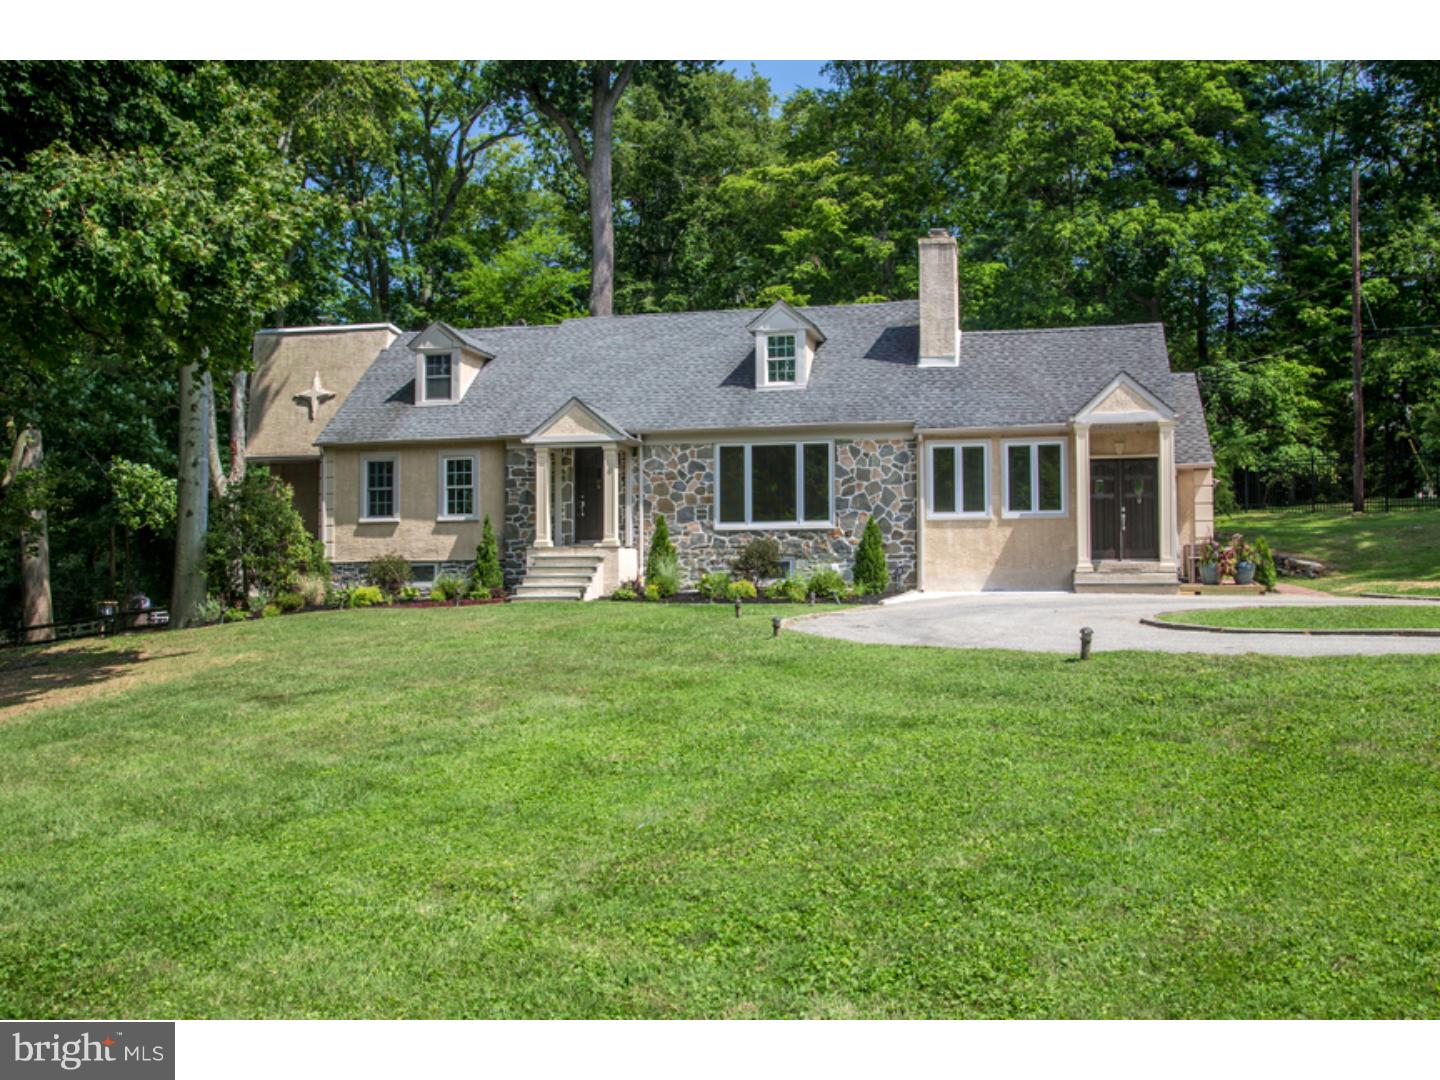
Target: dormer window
(780, 359)
(439, 375)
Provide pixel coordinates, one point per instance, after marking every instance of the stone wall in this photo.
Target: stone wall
(347, 575)
(519, 530)
(872, 477)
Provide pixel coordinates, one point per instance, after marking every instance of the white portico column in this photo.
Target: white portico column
(1169, 519)
(542, 498)
(610, 516)
(1083, 561)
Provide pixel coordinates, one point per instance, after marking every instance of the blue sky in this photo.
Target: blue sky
(785, 75)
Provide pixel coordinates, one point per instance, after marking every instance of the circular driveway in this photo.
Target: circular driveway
(1051, 622)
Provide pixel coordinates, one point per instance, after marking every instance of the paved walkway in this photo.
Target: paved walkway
(1051, 622)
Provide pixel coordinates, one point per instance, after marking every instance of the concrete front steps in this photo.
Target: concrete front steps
(1127, 577)
(561, 574)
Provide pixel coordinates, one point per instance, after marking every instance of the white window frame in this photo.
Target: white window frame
(421, 583)
(794, 358)
(762, 359)
(959, 447)
(1034, 444)
(750, 524)
(422, 381)
(365, 461)
(442, 501)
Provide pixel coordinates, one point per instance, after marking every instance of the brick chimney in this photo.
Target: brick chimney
(939, 301)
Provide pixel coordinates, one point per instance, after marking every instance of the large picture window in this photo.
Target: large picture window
(378, 488)
(774, 484)
(959, 479)
(457, 487)
(1035, 478)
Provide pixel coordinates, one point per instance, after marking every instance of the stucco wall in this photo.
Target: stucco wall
(304, 478)
(970, 554)
(1195, 494)
(871, 477)
(1124, 442)
(417, 535)
(286, 362)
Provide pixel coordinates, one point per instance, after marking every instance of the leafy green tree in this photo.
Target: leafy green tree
(536, 278)
(257, 541)
(660, 546)
(871, 572)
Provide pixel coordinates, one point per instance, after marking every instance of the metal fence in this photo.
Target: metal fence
(1395, 479)
(123, 622)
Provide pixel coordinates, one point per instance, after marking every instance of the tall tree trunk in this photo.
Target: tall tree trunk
(192, 505)
(220, 477)
(35, 606)
(602, 223)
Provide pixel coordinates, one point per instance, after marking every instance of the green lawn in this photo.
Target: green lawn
(1396, 552)
(1333, 617)
(643, 811)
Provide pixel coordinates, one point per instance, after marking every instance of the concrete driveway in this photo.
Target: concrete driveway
(1051, 622)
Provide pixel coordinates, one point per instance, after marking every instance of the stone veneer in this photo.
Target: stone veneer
(347, 575)
(872, 477)
(519, 529)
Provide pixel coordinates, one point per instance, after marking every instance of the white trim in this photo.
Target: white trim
(365, 459)
(443, 499)
(959, 446)
(1157, 410)
(422, 380)
(335, 328)
(751, 525)
(1034, 444)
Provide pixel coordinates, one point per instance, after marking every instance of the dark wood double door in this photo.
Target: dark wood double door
(1124, 508)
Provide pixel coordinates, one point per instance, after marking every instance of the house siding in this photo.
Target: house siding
(872, 477)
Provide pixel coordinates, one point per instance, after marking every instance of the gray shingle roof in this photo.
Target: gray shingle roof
(694, 370)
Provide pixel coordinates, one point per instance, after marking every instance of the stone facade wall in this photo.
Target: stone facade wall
(873, 477)
(519, 531)
(347, 575)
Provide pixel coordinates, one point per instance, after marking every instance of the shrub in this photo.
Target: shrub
(664, 575)
(338, 597)
(210, 610)
(660, 545)
(623, 592)
(786, 589)
(1265, 572)
(714, 584)
(448, 587)
(478, 592)
(741, 590)
(652, 592)
(409, 592)
(236, 614)
(487, 572)
(257, 602)
(871, 572)
(389, 573)
(826, 584)
(269, 611)
(314, 588)
(256, 540)
(289, 601)
(364, 596)
(758, 559)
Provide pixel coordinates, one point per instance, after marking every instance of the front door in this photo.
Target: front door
(1124, 509)
(589, 493)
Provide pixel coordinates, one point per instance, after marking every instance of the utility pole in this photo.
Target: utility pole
(1357, 343)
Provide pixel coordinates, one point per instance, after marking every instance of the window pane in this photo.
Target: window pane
(943, 462)
(1049, 469)
(437, 378)
(732, 483)
(459, 487)
(422, 573)
(817, 482)
(380, 488)
(772, 482)
(1018, 497)
(781, 345)
(781, 371)
(974, 477)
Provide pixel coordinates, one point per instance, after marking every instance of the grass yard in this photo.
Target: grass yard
(1397, 552)
(1334, 617)
(643, 811)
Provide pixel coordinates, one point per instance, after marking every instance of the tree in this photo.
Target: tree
(28, 503)
(487, 572)
(660, 546)
(578, 99)
(257, 541)
(871, 572)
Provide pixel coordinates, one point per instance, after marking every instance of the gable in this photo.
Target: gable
(576, 422)
(1125, 400)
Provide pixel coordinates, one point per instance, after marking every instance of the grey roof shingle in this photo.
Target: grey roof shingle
(693, 370)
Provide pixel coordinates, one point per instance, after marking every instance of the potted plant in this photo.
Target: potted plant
(1244, 560)
(1211, 555)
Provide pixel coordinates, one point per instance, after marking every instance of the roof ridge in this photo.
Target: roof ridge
(1069, 329)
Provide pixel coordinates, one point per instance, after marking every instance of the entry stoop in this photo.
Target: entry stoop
(561, 574)
(1128, 578)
